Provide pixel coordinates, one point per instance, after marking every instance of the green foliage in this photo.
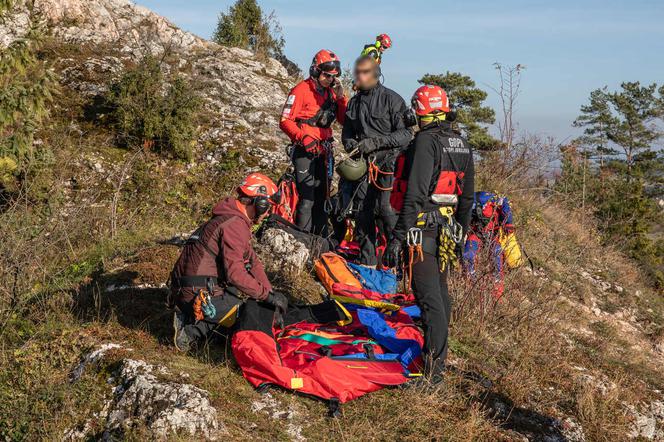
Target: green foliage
(621, 189)
(147, 110)
(246, 26)
(622, 119)
(26, 88)
(467, 100)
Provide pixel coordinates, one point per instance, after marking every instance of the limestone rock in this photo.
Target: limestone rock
(140, 397)
(163, 407)
(280, 250)
(648, 422)
(138, 30)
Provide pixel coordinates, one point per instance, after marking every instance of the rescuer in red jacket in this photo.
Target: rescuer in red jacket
(311, 108)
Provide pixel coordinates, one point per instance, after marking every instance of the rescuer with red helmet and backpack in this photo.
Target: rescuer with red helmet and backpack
(376, 49)
(218, 260)
(310, 110)
(433, 193)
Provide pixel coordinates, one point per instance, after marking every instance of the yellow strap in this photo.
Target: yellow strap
(348, 317)
(229, 318)
(367, 302)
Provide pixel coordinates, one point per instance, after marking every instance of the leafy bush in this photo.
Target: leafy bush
(149, 111)
(26, 88)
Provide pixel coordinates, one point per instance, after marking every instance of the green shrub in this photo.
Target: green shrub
(245, 26)
(149, 110)
(26, 89)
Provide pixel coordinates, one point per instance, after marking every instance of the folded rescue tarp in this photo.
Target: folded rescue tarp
(328, 361)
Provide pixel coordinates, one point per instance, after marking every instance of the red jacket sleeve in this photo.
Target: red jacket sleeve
(236, 246)
(290, 112)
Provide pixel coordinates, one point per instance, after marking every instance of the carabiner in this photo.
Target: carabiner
(327, 207)
(414, 237)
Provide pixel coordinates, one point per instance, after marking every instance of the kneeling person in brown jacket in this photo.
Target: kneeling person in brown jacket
(218, 260)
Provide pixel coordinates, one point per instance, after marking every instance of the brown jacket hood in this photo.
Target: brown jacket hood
(227, 207)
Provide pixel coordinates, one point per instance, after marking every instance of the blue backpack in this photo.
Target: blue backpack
(381, 281)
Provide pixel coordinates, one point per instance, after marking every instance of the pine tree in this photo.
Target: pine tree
(26, 87)
(245, 26)
(467, 100)
(623, 119)
(621, 188)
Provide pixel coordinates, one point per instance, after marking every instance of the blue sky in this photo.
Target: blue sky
(569, 47)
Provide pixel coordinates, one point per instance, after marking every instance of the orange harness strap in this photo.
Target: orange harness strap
(415, 255)
(374, 173)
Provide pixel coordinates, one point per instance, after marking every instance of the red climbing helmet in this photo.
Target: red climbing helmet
(257, 184)
(262, 191)
(430, 99)
(384, 40)
(325, 61)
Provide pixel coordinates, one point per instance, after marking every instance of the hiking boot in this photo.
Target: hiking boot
(180, 338)
(425, 382)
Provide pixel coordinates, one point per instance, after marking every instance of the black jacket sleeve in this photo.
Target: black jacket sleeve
(419, 183)
(348, 131)
(464, 209)
(400, 135)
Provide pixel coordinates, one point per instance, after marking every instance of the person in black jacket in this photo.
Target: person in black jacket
(374, 126)
(433, 192)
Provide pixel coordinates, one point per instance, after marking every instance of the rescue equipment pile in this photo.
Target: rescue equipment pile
(375, 346)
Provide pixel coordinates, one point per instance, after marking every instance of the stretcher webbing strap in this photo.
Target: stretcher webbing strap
(320, 340)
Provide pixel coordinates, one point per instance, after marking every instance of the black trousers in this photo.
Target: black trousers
(430, 288)
(312, 187)
(327, 311)
(201, 329)
(376, 211)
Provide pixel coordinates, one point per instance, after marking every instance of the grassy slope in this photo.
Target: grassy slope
(556, 346)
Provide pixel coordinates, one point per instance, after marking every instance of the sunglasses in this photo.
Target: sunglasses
(328, 75)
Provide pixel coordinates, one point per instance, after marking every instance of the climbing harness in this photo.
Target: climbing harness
(415, 254)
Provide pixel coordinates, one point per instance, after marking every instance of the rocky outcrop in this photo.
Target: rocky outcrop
(165, 408)
(282, 252)
(136, 29)
(242, 94)
(143, 398)
(648, 422)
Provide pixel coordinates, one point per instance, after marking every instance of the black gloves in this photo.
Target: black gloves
(278, 300)
(392, 253)
(368, 145)
(280, 303)
(350, 145)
